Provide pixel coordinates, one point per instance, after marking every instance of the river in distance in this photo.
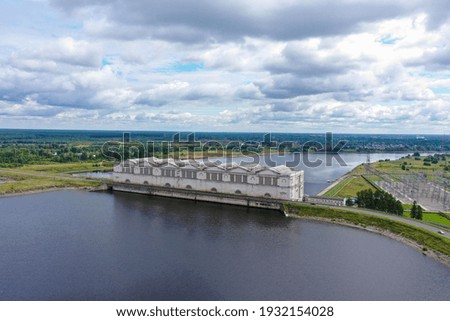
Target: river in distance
(76, 245)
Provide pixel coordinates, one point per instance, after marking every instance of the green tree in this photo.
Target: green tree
(399, 208)
(379, 200)
(419, 214)
(414, 210)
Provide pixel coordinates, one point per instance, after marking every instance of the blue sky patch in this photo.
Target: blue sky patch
(388, 40)
(106, 62)
(75, 26)
(179, 67)
(431, 75)
(441, 90)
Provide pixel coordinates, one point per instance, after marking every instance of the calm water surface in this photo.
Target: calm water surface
(73, 245)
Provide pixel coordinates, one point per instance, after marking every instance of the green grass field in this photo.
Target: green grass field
(55, 168)
(432, 217)
(352, 184)
(412, 165)
(36, 184)
(25, 179)
(349, 187)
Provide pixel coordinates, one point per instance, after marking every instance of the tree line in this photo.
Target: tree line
(18, 155)
(379, 200)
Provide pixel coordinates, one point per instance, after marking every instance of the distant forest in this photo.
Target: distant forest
(19, 147)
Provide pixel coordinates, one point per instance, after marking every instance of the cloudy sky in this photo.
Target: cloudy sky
(238, 65)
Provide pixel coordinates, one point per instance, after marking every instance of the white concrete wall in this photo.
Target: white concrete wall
(219, 198)
(288, 186)
(205, 185)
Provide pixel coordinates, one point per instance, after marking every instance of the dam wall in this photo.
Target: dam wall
(239, 200)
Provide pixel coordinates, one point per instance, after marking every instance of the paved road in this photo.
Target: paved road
(394, 218)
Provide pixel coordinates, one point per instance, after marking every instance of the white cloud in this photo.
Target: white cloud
(78, 53)
(206, 65)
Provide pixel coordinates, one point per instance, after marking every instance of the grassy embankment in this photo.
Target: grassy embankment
(358, 180)
(31, 178)
(351, 185)
(425, 239)
(431, 217)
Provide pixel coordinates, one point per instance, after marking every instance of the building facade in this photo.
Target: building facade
(279, 182)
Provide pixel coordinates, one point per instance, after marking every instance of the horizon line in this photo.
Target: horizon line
(230, 132)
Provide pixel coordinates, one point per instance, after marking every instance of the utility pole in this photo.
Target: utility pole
(444, 199)
(367, 164)
(444, 178)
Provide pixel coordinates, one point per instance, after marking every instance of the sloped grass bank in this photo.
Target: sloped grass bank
(423, 238)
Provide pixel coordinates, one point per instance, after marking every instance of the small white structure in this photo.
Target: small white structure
(279, 182)
(323, 200)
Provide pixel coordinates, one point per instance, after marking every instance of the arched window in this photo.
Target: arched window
(213, 190)
(167, 185)
(267, 195)
(238, 192)
(188, 186)
(145, 183)
(127, 181)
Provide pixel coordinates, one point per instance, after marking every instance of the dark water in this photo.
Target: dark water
(73, 245)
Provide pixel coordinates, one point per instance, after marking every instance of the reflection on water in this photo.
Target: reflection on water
(73, 245)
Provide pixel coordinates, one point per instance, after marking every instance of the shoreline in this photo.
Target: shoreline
(53, 189)
(336, 182)
(440, 257)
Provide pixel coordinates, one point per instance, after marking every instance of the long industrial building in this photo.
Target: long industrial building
(278, 182)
